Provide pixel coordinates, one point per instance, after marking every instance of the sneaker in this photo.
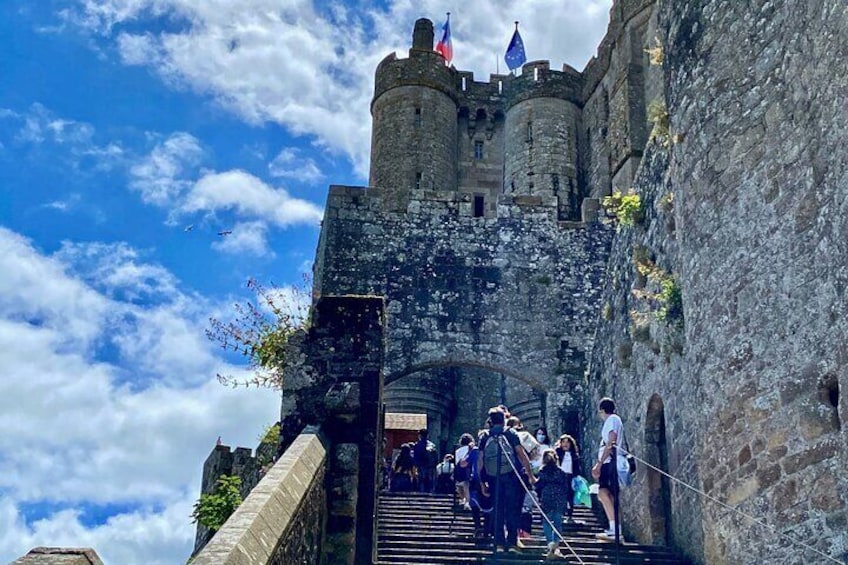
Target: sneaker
(519, 544)
(609, 536)
(516, 548)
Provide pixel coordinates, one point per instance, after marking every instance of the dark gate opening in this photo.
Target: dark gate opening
(659, 486)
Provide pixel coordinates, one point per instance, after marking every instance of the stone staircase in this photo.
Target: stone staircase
(416, 529)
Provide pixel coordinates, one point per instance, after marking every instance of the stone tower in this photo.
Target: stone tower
(542, 121)
(414, 130)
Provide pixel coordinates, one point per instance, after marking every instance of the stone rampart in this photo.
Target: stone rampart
(746, 207)
(282, 520)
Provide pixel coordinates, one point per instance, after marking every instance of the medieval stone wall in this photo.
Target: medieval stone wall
(516, 295)
(747, 207)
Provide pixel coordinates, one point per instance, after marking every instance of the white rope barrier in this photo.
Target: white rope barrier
(745, 515)
(536, 503)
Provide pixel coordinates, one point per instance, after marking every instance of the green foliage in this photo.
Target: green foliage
(544, 279)
(270, 435)
(658, 115)
(261, 331)
(628, 208)
(213, 509)
(670, 299)
(267, 445)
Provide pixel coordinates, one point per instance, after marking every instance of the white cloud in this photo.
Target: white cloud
(311, 69)
(163, 176)
(289, 163)
(75, 431)
(249, 197)
(38, 125)
(246, 238)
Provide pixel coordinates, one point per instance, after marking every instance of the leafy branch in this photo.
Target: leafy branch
(261, 331)
(213, 509)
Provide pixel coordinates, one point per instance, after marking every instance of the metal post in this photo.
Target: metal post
(615, 492)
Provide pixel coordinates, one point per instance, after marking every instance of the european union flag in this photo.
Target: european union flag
(515, 56)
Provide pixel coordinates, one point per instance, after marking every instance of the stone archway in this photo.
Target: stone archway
(455, 394)
(659, 487)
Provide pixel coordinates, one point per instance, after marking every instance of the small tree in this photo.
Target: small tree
(261, 331)
(627, 207)
(213, 509)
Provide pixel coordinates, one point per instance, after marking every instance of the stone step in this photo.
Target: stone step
(424, 529)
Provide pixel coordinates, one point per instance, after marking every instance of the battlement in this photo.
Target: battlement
(621, 14)
(422, 68)
(537, 80)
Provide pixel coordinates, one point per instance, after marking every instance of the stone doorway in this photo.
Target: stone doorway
(455, 396)
(659, 486)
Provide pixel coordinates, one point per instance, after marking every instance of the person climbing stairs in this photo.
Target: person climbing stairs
(421, 529)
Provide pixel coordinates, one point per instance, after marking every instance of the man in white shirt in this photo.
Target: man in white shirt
(605, 471)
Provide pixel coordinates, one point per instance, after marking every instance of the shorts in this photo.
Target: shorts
(609, 476)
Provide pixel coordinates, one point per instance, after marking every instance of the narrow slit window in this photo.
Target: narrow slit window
(479, 206)
(418, 117)
(529, 132)
(418, 180)
(555, 183)
(478, 150)
(463, 83)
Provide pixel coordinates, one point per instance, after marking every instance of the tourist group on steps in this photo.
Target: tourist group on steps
(506, 472)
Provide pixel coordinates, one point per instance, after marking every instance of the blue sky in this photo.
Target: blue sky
(132, 132)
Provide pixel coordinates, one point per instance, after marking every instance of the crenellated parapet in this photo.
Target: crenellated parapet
(422, 68)
(537, 80)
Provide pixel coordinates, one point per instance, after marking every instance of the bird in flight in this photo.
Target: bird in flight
(225, 232)
(189, 227)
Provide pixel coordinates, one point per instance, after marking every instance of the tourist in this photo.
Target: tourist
(553, 488)
(404, 475)
(425, 455)
(461, 471)
(569, 462)
(543, 438)
(499, 455)
(444, 475)
(525, 525)
(605, 471)
(479, 501)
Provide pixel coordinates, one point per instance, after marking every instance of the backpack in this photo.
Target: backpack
(497, 444)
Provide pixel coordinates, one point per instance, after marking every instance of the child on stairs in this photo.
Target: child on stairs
(552, 488)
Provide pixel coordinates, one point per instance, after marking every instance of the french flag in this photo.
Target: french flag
(444, 47)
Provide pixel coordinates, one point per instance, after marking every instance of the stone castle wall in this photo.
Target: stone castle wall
(747, 207)
(515, 295)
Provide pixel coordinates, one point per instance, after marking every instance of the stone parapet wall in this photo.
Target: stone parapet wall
(59, 556)
(282, 520)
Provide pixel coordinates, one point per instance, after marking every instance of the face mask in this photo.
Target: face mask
(540, 438)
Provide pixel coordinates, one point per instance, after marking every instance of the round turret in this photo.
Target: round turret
(414, 124)
(540, 153)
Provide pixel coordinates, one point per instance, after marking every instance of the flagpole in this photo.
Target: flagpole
(516, 31)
